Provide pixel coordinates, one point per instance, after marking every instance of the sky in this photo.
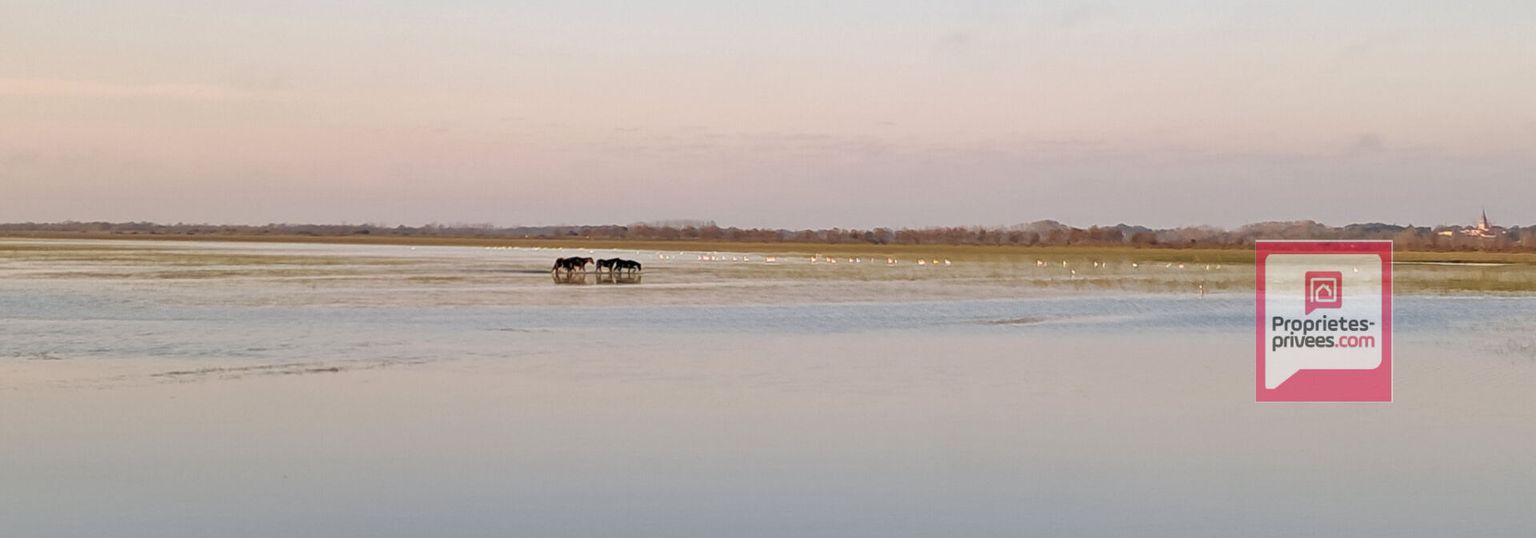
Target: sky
(775, 114)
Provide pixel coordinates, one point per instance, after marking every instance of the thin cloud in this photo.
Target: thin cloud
(32, 87)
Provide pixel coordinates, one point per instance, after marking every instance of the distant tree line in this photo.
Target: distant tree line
(1045, 232)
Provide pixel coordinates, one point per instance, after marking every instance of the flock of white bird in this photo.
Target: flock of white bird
(815, 259)
(1071, 266)
(718, 257)
(823, 259)
(888, 261)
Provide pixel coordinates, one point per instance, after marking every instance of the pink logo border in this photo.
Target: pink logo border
(1326, 385)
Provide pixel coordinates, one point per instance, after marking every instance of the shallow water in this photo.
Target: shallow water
(302, 390)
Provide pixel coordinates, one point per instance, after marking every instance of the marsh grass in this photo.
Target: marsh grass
(1059, 268)
(1445, 279)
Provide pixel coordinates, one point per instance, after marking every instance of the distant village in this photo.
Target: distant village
(1482, 230)
(1481, 234)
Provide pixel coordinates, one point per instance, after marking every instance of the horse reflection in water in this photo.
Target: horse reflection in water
(618, 278)
(618, 271)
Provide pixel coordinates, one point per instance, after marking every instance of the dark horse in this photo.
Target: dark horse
(608, 263)
(570, 265)
(626, 265)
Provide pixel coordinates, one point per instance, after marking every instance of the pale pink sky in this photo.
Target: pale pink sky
(791, 114)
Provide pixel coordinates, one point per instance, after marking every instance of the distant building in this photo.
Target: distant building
(1482, 229)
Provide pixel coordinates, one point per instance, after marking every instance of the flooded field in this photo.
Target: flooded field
(224, 389)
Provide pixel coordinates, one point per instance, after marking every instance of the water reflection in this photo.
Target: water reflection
(596, 277)
(244, 405)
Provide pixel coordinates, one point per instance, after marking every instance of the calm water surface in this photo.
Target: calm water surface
(458, 392)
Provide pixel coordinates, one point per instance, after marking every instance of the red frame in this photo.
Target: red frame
(1325, 385)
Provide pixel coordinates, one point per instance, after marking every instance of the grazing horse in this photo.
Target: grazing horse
(570, 265)
(627, 265)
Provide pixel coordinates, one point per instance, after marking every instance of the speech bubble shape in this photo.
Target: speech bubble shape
(1306, 324)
